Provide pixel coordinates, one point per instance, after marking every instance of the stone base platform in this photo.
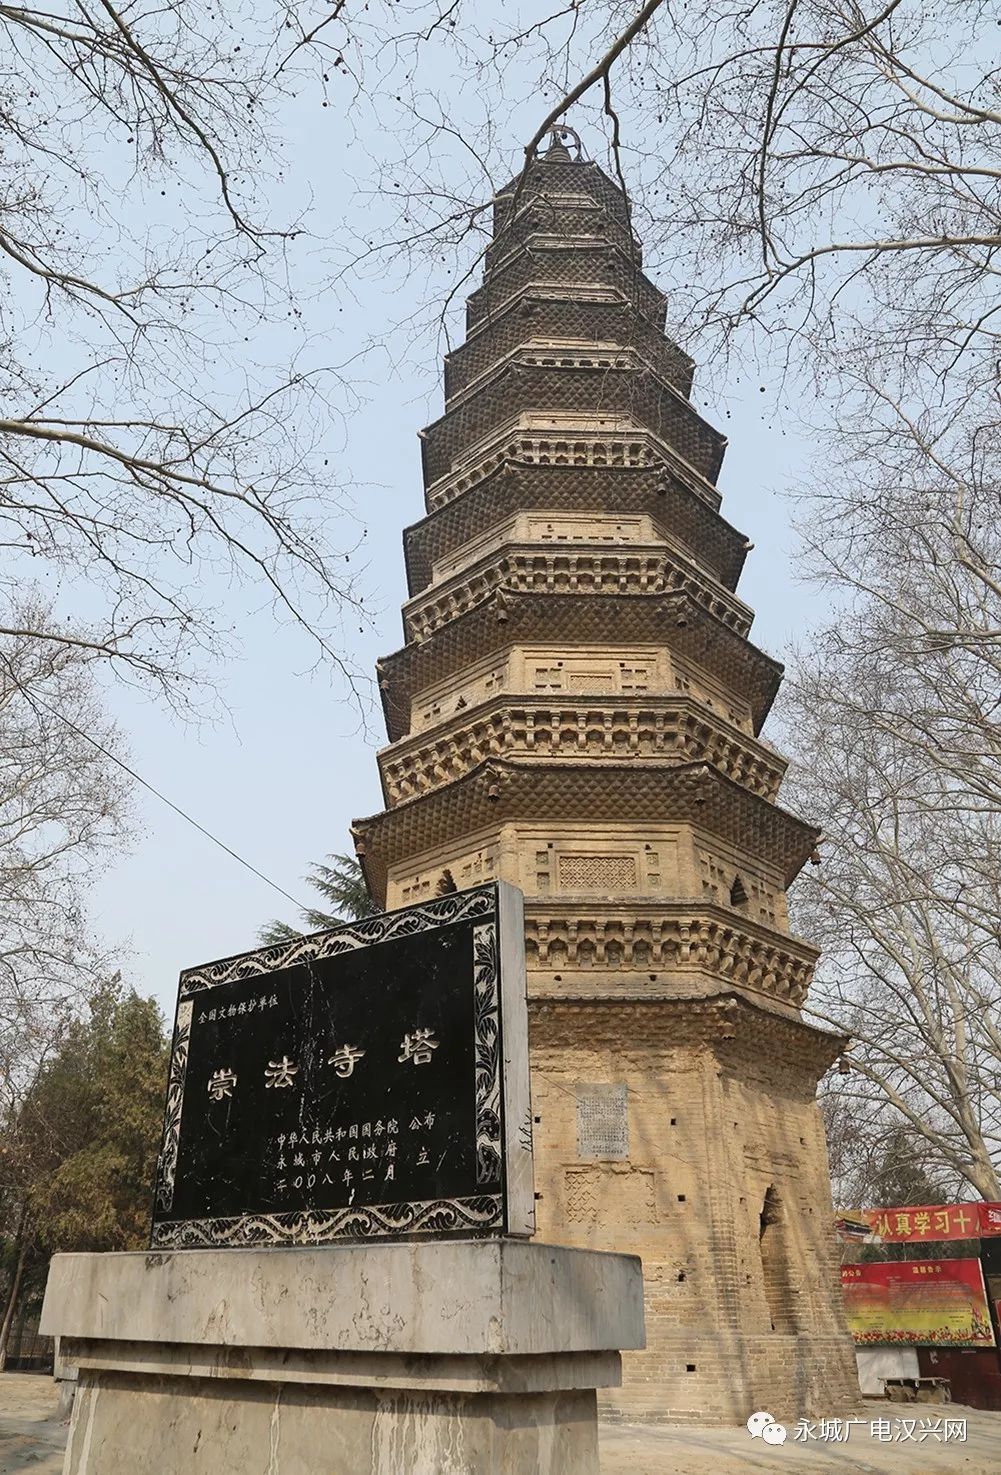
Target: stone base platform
(471, 1358)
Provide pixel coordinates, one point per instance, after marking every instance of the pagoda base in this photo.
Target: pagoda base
(732, 1375)
(465, 1357)
(687, 1131)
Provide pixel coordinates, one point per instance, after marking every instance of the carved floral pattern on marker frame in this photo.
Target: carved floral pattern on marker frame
(167, 1165)
(436, 1216)
(488, 1051)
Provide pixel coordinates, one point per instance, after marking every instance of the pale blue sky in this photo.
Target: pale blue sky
(282, 779)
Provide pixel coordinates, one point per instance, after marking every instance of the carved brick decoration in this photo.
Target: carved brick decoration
(575, 709)
(601, 442)
(621, 390)
(540, 566)
(666, 727)
(597, 873)
(557, 322)
(673, 509)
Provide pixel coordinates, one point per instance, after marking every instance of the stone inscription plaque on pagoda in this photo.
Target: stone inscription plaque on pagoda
(370, 1081)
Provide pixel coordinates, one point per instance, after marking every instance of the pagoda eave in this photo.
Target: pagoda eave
(526, 486)
(573, 440)
(573, 175)
(614, 947)
(583, 566)
(600, 270)
(514, 617)
(691, 916)
(729, 1022)
(559, 324)
(577, 727)
(594, 389)
(499, 791)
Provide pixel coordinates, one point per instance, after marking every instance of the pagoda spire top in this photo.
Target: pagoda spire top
(558, 151)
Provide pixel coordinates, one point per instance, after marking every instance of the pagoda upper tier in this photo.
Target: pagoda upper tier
(515, 486)
(576, 705)
(566, 322)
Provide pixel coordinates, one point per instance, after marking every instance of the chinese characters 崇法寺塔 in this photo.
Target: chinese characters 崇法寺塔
(344, 1059)
(417, 1047)
(280, 1073)
(221, 1084)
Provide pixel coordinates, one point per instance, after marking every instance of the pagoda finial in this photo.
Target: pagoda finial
(558, 152)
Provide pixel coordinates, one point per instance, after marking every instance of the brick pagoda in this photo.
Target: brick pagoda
(576, 709)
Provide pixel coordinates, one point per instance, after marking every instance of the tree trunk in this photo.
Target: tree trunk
(21, 1240)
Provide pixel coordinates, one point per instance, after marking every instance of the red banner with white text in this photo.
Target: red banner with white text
(925, 1223)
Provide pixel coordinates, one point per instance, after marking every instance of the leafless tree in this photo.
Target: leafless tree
(893, 712)
(876, 1162)
(157, 428)
(63, 806)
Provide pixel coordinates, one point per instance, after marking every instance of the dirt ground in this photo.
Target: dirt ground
(633, 1449)
(32, 1438)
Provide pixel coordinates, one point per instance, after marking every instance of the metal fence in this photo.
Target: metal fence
(27, 1350)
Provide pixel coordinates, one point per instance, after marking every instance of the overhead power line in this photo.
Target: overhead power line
(54, 712)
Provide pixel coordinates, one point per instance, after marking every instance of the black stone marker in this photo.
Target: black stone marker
(369, 1081)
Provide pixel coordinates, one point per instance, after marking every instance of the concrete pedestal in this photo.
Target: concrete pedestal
(474, 1358)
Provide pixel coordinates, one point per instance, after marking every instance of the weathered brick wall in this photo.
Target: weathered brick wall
(706, 1141)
